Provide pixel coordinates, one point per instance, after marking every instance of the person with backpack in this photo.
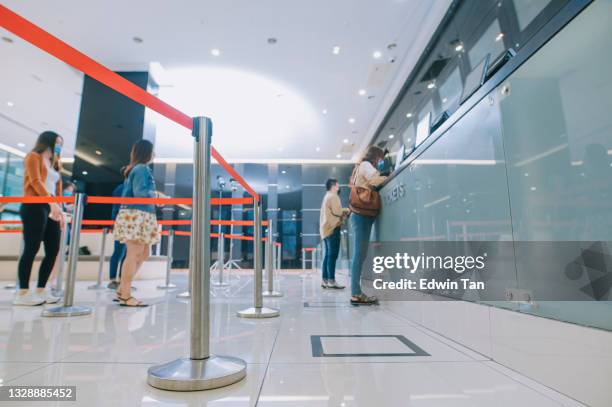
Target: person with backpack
(364, 204)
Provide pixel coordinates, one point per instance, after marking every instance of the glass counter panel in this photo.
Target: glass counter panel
(557, 132)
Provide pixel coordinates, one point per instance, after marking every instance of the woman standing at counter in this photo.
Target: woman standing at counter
(364, 205)
(42, 223)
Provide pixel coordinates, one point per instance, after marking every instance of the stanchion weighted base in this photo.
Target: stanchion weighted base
(272, 294)
(166, 287)
(10, 286)
(97, 287)
(62, 311)
(219, 284)
(262, 312)
(191, 375)
(184, 294)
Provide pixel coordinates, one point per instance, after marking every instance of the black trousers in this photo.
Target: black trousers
(38, 228)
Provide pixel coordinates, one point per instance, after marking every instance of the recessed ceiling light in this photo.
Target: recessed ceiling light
(137, 40)
(345, 141)
(362, 92)
(459, 47)
(338, 156)
(377, 55)
(20, 145)
(318, 148)
(84, 172)
(279, 148)
(444, 100)
(391, 46)
(324, 111)
(215, 52)
(409, 115)
(391, 136)
(336, 50)
(7, 39)
(283, 172)
(10, 104)
(272, 40)
(98, 152)
(499, 37)
(287, 186)
(351, 120)
(431, 85)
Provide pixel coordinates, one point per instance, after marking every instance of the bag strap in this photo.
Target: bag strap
(354, 176)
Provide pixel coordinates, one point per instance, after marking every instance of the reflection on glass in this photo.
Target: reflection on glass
(490, 42)
(450, 90)
(527, 10)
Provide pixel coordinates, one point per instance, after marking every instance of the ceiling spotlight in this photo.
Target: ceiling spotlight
(10, 104)
(409, 115)
(21, 145)
(137, 40)
(459, 47)
(272, 40)
(391, 136)
(338, 156)
(336, 50)
(391, 46)
(287, 186)
(499, 37)
(283, 172)
(351, 120)
(444, 100)
(98, 152)
(215, 52)
(279, 149)
(431, 85)
(318, 149)
(377, 55)
(84, 172)
(324, 111)
(362, 92)
(345, 141)
(7, 39)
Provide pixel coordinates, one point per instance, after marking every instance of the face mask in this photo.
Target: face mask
(67, 193)
(58, 150)
(381, 165)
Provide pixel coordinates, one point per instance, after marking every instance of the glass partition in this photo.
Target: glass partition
(530, 162)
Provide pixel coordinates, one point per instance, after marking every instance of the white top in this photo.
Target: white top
(53, 178)
(368, 176)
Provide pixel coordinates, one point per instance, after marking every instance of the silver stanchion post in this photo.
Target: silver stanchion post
(258, 311)
(313, 259)
(68, 309)
(15, 285)
(201, 370)
(270, 264)
(58, 290)
(98, 285)
(168, 285)
(220, 260)
(279, 256)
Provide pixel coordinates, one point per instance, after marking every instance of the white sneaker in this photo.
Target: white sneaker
(28, 299)
(49, 298)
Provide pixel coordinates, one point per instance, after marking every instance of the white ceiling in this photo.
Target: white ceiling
(266, 101)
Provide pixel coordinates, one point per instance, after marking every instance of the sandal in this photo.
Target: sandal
(124, 302)
(363, 299)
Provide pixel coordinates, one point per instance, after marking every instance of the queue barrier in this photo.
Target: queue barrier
(201, 370)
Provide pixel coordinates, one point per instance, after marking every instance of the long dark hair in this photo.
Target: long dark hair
(142, 153)
(373, 155)
(46, 141)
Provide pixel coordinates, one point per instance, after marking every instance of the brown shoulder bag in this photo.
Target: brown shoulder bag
(363, 201)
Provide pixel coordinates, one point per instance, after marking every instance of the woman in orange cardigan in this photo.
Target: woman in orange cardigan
(42, 223)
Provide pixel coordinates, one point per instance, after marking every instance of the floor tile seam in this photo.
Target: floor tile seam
(529, 384)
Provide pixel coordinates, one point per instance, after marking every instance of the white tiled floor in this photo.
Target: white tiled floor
(106, 354)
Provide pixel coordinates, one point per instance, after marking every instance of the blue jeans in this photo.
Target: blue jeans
(116, 260)
(361, 227)
(332, 248)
